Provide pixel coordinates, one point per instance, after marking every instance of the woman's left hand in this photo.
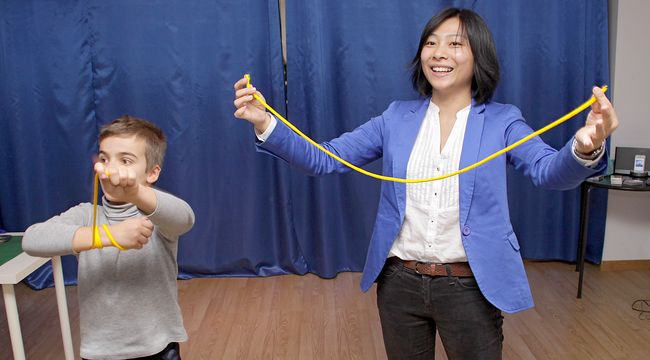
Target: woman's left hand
(601, 122)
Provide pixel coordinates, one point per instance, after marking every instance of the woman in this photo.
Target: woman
(444, 254)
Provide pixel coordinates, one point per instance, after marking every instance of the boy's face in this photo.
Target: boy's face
(128, 153)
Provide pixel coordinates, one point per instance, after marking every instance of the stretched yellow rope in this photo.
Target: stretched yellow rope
(546, 128)
(97, 243)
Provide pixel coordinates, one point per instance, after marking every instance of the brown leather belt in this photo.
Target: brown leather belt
(460, 269)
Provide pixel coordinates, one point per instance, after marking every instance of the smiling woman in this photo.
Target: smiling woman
(456, 43)
(444, 254)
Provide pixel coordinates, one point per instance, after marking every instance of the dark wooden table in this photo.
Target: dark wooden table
(603, 182)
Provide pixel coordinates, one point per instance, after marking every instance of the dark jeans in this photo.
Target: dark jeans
(171, 352)
(413, 306)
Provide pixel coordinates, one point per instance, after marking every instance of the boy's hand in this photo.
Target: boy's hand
(132, 233)
(120, 184)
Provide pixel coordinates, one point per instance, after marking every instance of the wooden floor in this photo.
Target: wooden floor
(305, 317)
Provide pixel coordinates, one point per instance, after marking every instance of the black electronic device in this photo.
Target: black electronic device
(632, 182)
(632, 161)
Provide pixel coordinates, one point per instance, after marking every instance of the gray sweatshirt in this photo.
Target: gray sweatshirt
(128, 300)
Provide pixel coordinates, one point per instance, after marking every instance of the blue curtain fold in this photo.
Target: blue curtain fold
(175, 63)
(69, 67)
(47, 131)
(551, 55)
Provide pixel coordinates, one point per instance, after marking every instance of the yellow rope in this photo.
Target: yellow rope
(555, 123)
(112, 239)
(97, 243)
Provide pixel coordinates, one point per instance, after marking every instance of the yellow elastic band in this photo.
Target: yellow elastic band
(112, 239)
(546, 128)
(97, 243)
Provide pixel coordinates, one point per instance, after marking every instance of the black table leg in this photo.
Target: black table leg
(584, 227)
(583, 206)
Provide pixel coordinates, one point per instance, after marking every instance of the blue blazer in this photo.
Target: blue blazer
(489, 240)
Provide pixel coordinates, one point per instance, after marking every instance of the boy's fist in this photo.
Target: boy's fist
(118, 183)
(132, 233)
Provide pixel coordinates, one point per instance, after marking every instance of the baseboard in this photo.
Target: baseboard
(622, 265)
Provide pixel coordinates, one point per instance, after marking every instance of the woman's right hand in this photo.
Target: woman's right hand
(248, 108)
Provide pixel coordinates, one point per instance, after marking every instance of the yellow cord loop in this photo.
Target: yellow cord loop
(546, 128)
(112, 239)
(97, 242)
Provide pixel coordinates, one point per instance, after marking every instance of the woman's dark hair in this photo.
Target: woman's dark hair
(486, 63)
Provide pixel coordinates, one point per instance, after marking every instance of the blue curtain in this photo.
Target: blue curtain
(47, 128)
(69, 67)
(347, 60)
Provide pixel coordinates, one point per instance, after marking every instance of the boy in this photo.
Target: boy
(127, 298)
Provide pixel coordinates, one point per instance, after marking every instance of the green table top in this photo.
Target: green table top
(10, 249)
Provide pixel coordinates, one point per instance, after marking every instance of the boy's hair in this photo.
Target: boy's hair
(127, 125)
(486, 62)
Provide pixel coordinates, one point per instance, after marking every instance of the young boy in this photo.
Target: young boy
(127, 298)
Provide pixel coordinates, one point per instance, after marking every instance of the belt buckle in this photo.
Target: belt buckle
(416, 267)
(433, 268)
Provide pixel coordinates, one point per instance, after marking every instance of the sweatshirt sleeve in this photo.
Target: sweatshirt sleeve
(172, 216)
(54, 236)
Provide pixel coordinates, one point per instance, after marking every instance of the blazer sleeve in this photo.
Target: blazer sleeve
(546, 167)
(359, 147)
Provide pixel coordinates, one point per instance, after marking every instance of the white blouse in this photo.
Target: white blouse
(431, 228)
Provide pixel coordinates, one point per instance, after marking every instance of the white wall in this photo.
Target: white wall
(627, 231)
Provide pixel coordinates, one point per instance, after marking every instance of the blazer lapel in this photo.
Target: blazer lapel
(407, 131)
(469, 155)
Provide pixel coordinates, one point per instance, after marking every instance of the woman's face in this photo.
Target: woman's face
(447, 60)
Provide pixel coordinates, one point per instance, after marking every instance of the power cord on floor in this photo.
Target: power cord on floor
(643, 307)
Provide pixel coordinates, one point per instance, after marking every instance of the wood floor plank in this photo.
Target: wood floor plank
(306, 317)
